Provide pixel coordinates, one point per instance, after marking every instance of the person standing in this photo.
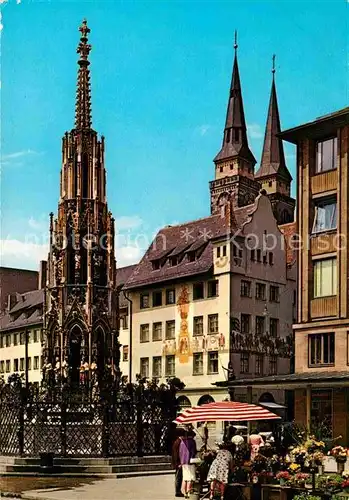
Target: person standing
(255, 441)
(187, 451)
(176, 464)
(218, 474)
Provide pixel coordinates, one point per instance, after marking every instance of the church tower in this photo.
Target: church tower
(234, 164)
(273, 173)
(80, 321)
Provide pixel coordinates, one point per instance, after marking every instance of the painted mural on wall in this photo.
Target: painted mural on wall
(210, 342)
(183, 347)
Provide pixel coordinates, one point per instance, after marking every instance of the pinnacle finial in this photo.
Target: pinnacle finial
(273, 65)
(235, 40)
(83, 100)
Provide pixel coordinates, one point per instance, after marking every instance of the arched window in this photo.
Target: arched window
(266, 397)
(183, 403)
(205, 400)
(74, 361)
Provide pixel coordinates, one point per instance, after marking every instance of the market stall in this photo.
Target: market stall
(308, 470)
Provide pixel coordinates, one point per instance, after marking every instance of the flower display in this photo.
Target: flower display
(284, 474)
(339, 453)
(294, 467)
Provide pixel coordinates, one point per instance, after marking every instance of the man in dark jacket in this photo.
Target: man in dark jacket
(176, 464)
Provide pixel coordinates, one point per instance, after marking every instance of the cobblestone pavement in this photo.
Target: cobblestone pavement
(137, 488)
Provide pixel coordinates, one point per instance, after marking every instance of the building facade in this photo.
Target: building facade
(320, 383)
(214, 298)
(322, 328)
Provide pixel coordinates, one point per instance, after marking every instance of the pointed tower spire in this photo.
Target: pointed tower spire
(273, 157)
(273, 173)
(235, 141)
(83, 98)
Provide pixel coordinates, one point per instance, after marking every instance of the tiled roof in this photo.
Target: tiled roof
(122, 275)
(289, 230)
(26, 312)
(185, 237)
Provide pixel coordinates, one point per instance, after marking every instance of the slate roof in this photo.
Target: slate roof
(28, 309)
(273, 157)
(235, 120)
(180, 241)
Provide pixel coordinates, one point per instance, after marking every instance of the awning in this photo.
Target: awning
(292, 381)
(273, 406)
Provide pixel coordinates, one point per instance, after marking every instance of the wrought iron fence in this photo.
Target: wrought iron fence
(76, 428)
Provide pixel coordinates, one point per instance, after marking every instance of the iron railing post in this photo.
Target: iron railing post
(105, 430)
(64, 428)
(140, 436)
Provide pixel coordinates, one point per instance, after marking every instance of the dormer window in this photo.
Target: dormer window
(156, 265)
(173, 260)
(191, 257)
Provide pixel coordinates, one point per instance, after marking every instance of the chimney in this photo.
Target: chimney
(42, 274)
(11, 300)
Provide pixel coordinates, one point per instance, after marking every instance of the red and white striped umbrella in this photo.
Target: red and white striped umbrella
(226, 411)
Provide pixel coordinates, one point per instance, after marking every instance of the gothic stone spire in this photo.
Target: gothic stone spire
(83, 98)
(273, 158)
(235, 143)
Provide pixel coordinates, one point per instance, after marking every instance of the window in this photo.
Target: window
(326, 155)
(170, 366)
(260, 325)
(259, 254)
(218, 252)
(325, 215)
(259, 364)
(36, 362)
(157, 298)
(1, 341)
(21, 364)
(170, 296)
(170, 329)
(271, 258)
(224, 250)
(260, 291)
(124, 321)
(198, 363)
(29, 361)
(198, 325)
(237, 251)
(264, 258)
(253, 255)
(157, 331)
(15, 339)
(212, 290)
(156, 264)
(173, 260)
(245, 323)
(125, 353)
(15, 365)
(191, 256)
(8, 340)
(321, 349)
(2, 366)
(157, 361)
(8, 366)
(144, 300)
(273, 365)
(144, 367)
(144, 333)
(274, 327)
(244, 362)
(325, 277)
(212, 362)
(274, 293)
(245, 288)
(198, 291)
(212, 323)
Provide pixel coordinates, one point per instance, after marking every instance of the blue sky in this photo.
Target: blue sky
(160, 77)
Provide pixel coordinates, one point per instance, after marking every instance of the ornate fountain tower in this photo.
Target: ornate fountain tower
(80, 321)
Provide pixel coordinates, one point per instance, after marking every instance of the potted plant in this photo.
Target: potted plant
(300, 479)
(345, 485)
(283, 477)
